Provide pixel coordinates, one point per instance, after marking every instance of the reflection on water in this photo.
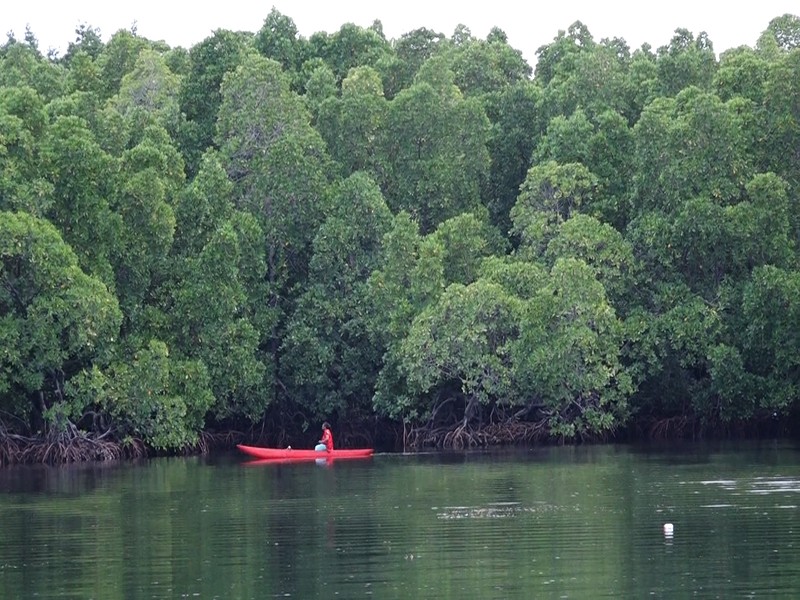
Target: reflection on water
(575, 522)
(497, 510)
(758, 485)
(772, 486)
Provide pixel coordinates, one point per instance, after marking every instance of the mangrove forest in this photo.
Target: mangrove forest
(427, 241)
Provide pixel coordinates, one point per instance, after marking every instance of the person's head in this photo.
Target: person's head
(326, 425)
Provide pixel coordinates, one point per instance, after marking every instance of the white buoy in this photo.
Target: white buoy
(668, 529)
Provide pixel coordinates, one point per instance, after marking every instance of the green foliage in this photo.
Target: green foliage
(22, 65)
(83, 178)
(118, 58)
(569, 354)
(434, 145)
(408, 279)
(150, 89)
(411, 50)
(550, 194)
(480, 67)
(642, 82)
(603, 249)
(53, 317)
(209, 300)
(782, 129)
(699, 245)
(686, 62)
(559, 56)
(686, 147)
(461, 345)
(351, 46)
(592, 79)
(23, 125)
(278, 39)
(733, 389)
(605, 147)
(263, 130)
(320, 85)
(202, 206)
(267, 228)
(783, 32)
(688, 325)
(178, 61)
(466, 240)
(677, 339)
(88, 41)
(518, 277)
(151, 172)
(277, 162)
(761, 227)
(153, 396)
(771, 341)
(741, 73)
(279, 168)
(516, 123)
(351, 125)
(330, 362)
(201, 95)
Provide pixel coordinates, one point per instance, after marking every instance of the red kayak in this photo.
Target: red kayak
(291, 454)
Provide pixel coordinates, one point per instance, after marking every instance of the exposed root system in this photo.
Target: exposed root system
(463, 436)
(66, 447)
(678, 427)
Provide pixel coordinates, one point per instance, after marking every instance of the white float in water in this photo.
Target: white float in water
(668, 528)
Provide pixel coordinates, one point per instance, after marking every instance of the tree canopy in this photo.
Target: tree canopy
(425, 240)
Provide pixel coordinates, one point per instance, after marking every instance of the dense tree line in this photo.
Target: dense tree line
(423, 235)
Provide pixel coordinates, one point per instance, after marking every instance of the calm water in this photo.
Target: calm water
(569, 522)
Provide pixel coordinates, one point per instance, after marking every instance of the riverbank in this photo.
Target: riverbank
(76, 446)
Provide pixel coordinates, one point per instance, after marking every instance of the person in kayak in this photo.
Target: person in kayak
(326, 443)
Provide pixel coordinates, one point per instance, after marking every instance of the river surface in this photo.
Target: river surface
(563, 522)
